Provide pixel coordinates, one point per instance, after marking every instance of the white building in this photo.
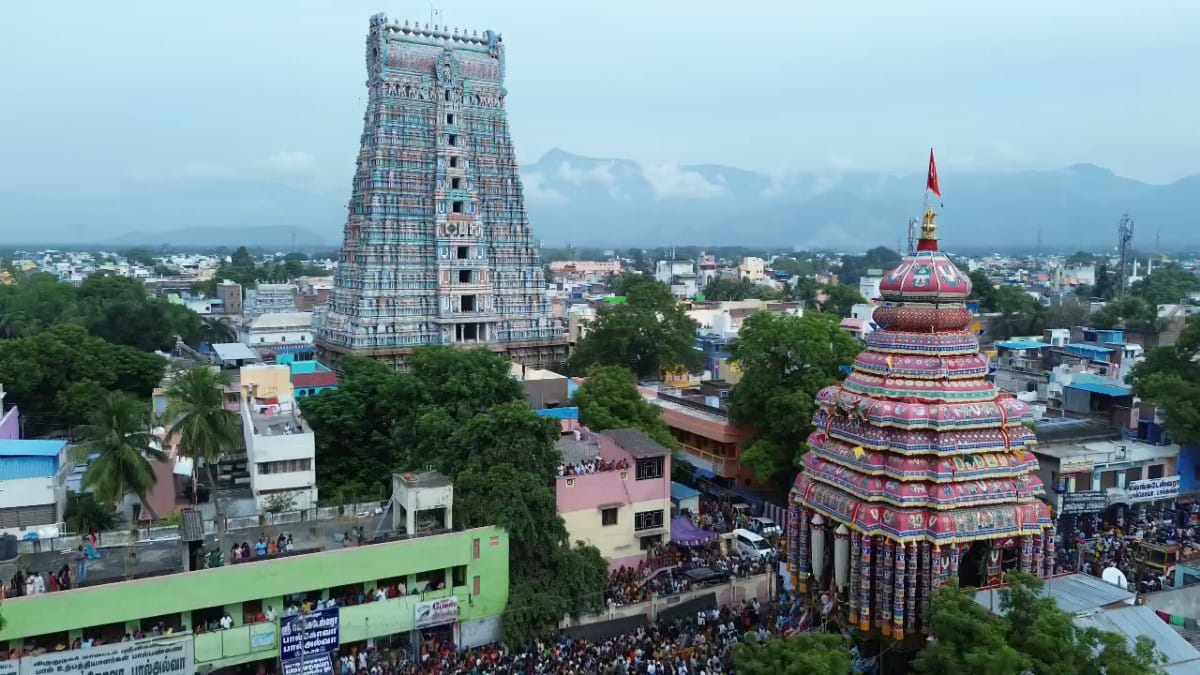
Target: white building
(726, 318)
(752, 269)
(280, 446)
(868, 284)
(666, 270)
(283, 328)
(33, 489)
(270, 298)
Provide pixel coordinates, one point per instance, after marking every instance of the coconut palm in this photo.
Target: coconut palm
(118, 436)
(214, 330)
(196, 411)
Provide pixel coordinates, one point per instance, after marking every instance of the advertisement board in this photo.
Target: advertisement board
(1088, 501)
(1153, 489)
(306, 641)
(166, 655)
(436, 612)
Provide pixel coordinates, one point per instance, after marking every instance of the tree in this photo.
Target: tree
(1068, 313)
(855, 266)
(1105, 287)
(806, 290)
(196, 411)
(620, 284)
(840, 299)
(84, 514)
(804, 654)
(215, 330)
(649, 334)
(792, 266)
(785, 361)
(54, 375)
(1131, 312)
(982, 290)
(737, 289)
(461, 412)
(609, 399)
(1020, 313)
(1034, 636)
(118, 437)
(1167, 284)
(1170, 377)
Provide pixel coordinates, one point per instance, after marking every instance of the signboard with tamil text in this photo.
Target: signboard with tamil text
(1088, 501)
(166, 655)
(1153, 489)
(307, 640)
(436, 612)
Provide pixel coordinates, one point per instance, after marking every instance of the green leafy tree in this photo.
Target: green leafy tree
(1068, 313)
(215, 330)
(794, 267)
(854, 267)
(982, 290)
(840, 299)
(1105, 287)
(648, 334)
(54, 375)
(118, 437)
(84, 514)
(1170, 377)
(804, 654)
(806, 290)
(1034, 636)
(1166, 285)
(722, 288)
(609, 399)
(1131, 313)
(196, 411)
(620, 284)
(1019, 313)
(785, 361)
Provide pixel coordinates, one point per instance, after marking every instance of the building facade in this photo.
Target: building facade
(623, 506)
(472, 565)
(437, 248)
(280, 446)
(33, 484)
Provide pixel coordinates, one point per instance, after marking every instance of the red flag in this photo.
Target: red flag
(931, 183)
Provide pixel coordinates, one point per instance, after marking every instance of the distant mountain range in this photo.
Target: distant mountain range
(590, 201)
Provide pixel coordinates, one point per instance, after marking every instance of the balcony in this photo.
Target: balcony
(239, 644)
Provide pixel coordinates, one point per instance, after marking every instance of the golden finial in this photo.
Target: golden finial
(929, 227)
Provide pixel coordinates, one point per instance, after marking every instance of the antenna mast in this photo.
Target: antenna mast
(912, 236)
(1124, 252)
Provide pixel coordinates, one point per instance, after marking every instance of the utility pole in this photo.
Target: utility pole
(1124, 253)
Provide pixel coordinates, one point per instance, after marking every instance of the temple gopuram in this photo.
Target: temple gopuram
(919, 469)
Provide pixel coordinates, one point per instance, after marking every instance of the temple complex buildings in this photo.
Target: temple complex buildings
(438, 248)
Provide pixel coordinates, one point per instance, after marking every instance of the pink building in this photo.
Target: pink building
(615, 493)
(10, 420)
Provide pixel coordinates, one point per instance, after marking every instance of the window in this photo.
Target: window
(1132, 475)
(447, 94)
(475, 549)
(462, 252)
(285, 466)
(467, 303)
(464, 276)
(455, 183)
(608, 517)
(650, 467)
(648, 543)
(453, 162)
(452, 140)
(647, 520)
(475, 590)
(449, 118)
(457, 206)
(1108, 479)
(458, 576)
(1155, 471)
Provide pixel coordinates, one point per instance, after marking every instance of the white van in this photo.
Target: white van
(747, 542)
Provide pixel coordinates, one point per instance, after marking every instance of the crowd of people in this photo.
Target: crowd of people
(33, 582)
(592, 465)
(698, 644)
(665, 571)
(1117, 541)
(263, 547)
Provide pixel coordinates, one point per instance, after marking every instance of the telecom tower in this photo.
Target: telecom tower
(1124, 253)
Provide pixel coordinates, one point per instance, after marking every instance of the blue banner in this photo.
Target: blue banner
(307, 640)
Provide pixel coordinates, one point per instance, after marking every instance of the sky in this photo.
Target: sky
(126, 97)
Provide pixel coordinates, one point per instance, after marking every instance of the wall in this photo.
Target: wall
(256, 338)
(27, 492)
(1189, 468)
(269, 580)
(10, 425)
(615, 542)
(269, 381)
(727, 594)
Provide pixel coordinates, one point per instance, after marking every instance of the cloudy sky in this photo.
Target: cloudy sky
(125, 97)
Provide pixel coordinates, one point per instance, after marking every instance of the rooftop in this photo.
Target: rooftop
(1133, 622)
(315, 379)
(1074, 593)
(234, 351)
(1020, 344)
(575, 451)
(1102, 389)
(425, 479)
(277, 320)
(1108, 452)
(680, 492)
(636, 443)
(31, 448)
(1063, 429)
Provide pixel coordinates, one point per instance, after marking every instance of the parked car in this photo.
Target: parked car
(766, 527)
(705, 576)
(752, 544)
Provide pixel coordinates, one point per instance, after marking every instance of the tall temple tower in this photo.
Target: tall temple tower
(437, 249)
(919, 469)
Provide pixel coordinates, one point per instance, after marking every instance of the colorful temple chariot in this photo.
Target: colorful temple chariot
(919, 469)
(438, 248)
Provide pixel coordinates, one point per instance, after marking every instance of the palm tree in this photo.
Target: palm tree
(196, 411)
(118, 437)
(214, 330)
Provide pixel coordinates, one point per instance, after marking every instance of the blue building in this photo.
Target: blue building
(32, 484)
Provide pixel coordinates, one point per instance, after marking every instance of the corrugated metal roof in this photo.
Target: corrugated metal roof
(680, 492)
(1102, 389)
(1133, 622)
(636, 443)
(234, 351)
(1187, 668)
(1074, 593)
(1020, 344)
(14, 468)
(191, 525)
(31, 448)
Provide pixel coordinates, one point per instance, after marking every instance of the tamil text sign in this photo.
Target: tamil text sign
(436, 612)
(168, 655)
(306, 640)
(1153, 489)
(1088, 501)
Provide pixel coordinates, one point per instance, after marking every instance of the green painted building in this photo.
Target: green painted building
(472, 565)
